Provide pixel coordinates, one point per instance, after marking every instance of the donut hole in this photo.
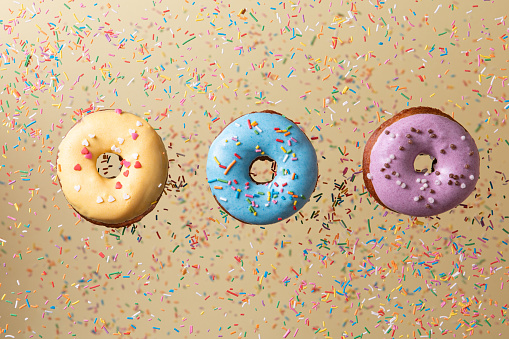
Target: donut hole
(263, 170)
(423, 162)
(108, 165)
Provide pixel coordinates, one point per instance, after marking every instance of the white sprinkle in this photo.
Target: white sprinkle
(369, 176)
(425, 185)
(77, 188)
(138, 123)
(91, 135)
(422, 188)
(403, 185)
(418, 180)
(131, 131)
(392, 135)
(85, 142)
(416, 198)
(426, 174)
(392, 156)
(135, 156)
(120, 141)
(397, 174)
(99, 200)
(388, 160)
(463, 137)
(424, 180)
(126, 196)
(113, 147)
(223, 199)
(111, 198)
(463, 186)
(398, 182)
(286, 157)
(160, 184)
(118, 150)
(258, 129)
(237, 124)
(431, 200)
(471, 177)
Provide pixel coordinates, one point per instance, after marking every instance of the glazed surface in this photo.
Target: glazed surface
(143, 174)
(250, 137)
(391, 168)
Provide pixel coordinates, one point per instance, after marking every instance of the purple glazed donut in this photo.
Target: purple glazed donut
(388, 163)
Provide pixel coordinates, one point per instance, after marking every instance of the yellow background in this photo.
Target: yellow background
(339, 68)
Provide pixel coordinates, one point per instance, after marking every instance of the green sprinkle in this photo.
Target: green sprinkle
(194, 37)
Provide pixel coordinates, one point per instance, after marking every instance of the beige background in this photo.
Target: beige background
(59, 276)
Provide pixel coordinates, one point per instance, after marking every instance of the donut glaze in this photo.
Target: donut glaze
(389, 156)
(117, 201)
(261, 135)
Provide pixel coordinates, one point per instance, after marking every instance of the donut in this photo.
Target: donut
(127, 198)
(265, 135)
(389, 155)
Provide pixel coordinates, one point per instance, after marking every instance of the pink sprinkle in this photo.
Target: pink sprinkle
(286, 334)
(249, 196)
(88, 156)
(134, 135)
(118, 111)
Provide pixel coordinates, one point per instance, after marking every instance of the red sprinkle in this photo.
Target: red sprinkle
(238, 156)
(137, 164)
(126, 173)
(249, 124)
(77, 167)
(84, 150)
(118, 185)
(279, 140)
(222, 166)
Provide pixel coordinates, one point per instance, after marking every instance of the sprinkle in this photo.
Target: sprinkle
(111, 198)
(77, 188)
(137, 164)
(77, 167)
(135, 156)
(85, 142)
(134, 136)
(370, 176)
(463, 185)
(126, 196)
(91, 135)
(118, 111)
(99, 200)
(138, 123)
(229, 167)
(118, 185)
(120, 141)
(471, 177)
(84, 150)
(431, 200)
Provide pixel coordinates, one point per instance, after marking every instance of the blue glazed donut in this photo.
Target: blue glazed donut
(262, 135)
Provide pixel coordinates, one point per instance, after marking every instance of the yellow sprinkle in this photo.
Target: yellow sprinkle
(238, 143)
(217, 161)
(283, 149)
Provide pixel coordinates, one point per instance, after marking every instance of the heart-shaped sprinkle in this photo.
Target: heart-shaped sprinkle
(131, 131)
(126, 163)
(118, 150)
(77, 167)
(135, 156)
(138, 123)
(126, 196)
(134, 136)
(88, 156)
(111, 198)
(91, 135)
(77, 188)
(84, 150)
(85, 142)
(120, 141)
(118, 111)
(113, 147)
(99, 200)
(137, 164)
(118, 185)
(126, 173)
